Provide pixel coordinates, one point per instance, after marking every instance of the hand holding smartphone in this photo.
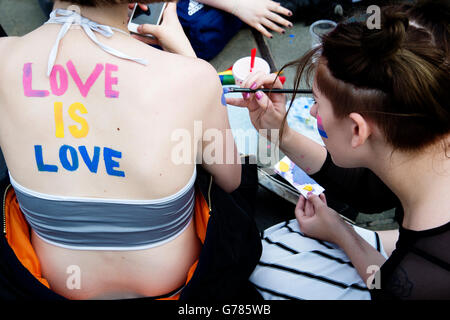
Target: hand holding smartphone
(168, 33)
(153, 16)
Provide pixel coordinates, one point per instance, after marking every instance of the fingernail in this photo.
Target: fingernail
(283, 32)
(259, 95)
(253, 87)
(309, 194)
(245, 95)
(139, 28)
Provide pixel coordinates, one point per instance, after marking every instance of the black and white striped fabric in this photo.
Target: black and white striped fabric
(296, 267)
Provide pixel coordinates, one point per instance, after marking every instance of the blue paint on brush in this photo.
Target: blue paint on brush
(224, 100)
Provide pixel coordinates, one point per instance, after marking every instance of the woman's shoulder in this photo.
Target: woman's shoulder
(6, 44)
(7, 53)
(190, 68)
(196, 75)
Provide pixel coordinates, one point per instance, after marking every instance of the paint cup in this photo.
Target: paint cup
(318, 29)
(241, 68)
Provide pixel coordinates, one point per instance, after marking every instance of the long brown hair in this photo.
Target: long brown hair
(398, 76)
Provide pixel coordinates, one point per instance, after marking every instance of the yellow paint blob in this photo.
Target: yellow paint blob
(284, 167)
(308, 188)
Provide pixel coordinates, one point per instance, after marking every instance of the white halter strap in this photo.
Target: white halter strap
(67, 18)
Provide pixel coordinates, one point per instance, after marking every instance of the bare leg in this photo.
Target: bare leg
(389, 239)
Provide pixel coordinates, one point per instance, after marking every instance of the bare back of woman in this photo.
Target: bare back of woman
(127, 114)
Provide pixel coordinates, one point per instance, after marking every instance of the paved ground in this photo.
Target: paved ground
(19, 17)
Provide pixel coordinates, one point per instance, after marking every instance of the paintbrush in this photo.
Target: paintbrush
(252, 59)
(246, 90)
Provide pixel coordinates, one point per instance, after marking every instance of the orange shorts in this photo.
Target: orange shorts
(18, 235)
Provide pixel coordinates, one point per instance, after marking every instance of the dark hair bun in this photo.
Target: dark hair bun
(383, 43)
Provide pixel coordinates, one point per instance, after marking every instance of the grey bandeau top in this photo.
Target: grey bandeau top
(106, 224)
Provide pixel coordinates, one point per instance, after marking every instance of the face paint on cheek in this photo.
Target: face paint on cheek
(322, 132)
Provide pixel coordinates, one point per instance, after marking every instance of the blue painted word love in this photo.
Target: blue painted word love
(68, 157)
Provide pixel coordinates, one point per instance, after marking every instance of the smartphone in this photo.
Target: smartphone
(152, 16)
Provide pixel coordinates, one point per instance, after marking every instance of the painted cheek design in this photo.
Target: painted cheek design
(322, 132)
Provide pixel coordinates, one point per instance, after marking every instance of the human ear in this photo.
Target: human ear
(360, 129)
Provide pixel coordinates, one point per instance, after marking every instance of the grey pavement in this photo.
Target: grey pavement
(19, 17)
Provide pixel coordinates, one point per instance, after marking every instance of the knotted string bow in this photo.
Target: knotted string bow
(67, 18)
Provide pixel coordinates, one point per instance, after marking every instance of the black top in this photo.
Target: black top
(419, 267)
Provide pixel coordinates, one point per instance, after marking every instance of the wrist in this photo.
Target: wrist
(230, 6)
(189, 52)
(183, 48)
(343, 234)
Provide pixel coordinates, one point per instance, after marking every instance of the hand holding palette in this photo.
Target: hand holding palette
(297, 177)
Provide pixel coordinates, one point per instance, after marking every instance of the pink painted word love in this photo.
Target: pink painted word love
(59, 80)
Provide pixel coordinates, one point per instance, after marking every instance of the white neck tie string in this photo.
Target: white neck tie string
(67, 18)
